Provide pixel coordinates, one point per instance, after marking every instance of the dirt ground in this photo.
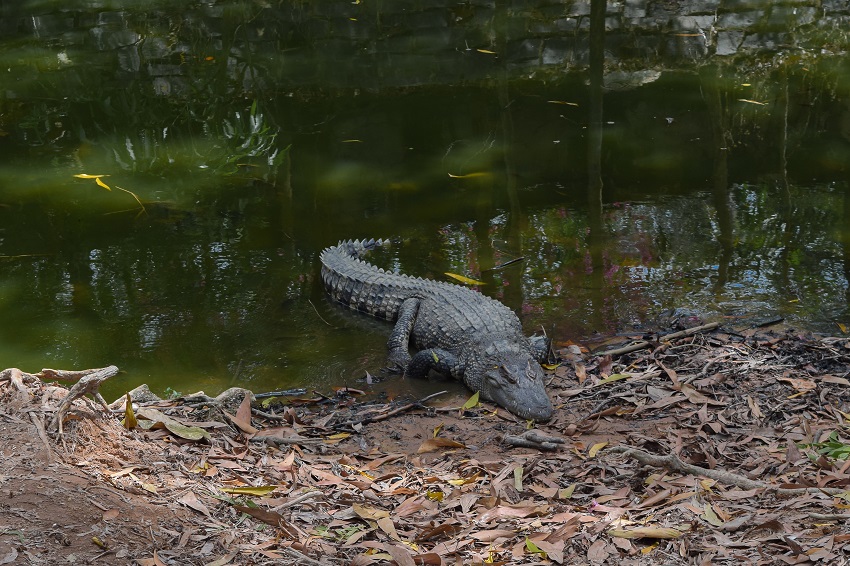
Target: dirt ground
(721, 447)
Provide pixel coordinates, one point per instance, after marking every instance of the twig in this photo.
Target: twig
(303, 558)
(507, 263)
(320, 316)
(674, 463)
(297, 500)
(667, 338)
(384, 416)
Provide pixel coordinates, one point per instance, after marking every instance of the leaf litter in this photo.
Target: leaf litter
(713, 448)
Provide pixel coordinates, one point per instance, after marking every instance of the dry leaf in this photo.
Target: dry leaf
(433, 444)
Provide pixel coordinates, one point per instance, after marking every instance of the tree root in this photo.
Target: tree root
(89, 383)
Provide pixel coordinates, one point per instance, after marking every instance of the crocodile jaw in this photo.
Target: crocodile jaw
(517, 385)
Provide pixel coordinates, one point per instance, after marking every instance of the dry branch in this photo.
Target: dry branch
(666, 338)
(674, 463)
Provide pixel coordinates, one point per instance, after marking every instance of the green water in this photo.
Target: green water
(239, 140)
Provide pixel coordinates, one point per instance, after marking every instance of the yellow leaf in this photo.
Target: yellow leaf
(87, 176)
(567, 492)
(464, 481)
(338, 437)
(487, 51)
(594, 450)
(646, 532)
(130, 421)
(613, 377)
(437, 430)
(258, 490)
(466, 280)
(434, 495)
(99, 542)
(842, 327)
(551, 367)
(533, 548)
(752, 102)
(146, 486)
(102, 184)
(471, 402)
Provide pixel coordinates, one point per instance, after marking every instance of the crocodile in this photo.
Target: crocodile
(454, 330)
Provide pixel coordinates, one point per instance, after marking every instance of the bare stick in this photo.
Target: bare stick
(297, 500)
(392, 413)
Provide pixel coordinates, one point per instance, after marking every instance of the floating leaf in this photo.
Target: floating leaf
(487, 51)
(87, 176)
(562, 102)
(464, 279)
(470, 175)
(102, 184)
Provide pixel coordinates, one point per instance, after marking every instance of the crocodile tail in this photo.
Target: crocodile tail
(359, 248)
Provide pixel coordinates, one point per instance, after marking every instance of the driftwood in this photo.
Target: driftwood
(633, 347)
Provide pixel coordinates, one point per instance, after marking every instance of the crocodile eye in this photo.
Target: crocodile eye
(507, 375)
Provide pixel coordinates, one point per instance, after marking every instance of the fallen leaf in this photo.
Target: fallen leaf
(258, 490)
(129, 421)
(434, 444)
(646, 532)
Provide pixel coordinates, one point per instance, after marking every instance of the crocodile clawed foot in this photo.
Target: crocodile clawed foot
(397, 362)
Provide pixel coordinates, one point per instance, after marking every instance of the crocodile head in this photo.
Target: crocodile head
(511, 377)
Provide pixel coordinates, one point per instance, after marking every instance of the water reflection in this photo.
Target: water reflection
(692, 164)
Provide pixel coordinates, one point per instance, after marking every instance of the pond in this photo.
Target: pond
(171, 172)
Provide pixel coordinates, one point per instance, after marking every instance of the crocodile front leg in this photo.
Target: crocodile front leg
(435, 359)
(399, 342)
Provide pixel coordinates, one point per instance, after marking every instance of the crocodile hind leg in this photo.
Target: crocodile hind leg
(399, 342)
(541, 348)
